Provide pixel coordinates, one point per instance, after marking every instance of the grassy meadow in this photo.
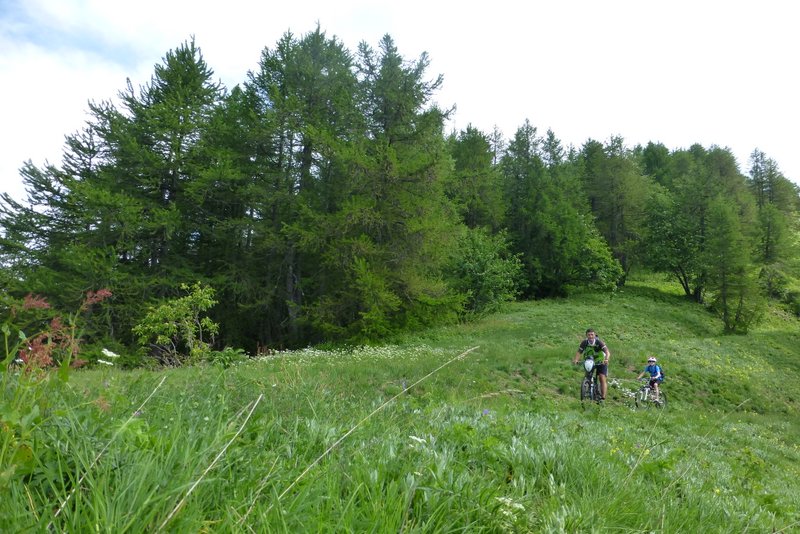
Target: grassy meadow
(468, 428)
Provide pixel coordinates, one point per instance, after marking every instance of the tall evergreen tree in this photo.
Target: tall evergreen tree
(777, 203)
(727, 260)
(383, 248)
(306, 90)
(549, 221)
(777, 206)
(117, 213)
(475, 186)
(617, 192)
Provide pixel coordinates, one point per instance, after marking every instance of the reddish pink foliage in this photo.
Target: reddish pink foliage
(59, 341)
(38, 352)
(35, 302)
(95, 297)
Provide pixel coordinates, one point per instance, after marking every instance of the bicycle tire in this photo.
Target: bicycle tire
(641, 400)
(586, 390)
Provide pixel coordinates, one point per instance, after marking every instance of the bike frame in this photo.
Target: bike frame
(590, 383)
(644, 397)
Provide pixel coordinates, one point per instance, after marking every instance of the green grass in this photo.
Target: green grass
(495, 441)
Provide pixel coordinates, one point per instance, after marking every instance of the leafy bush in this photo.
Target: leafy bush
(174, 330)
(227, 357)
(484, 270)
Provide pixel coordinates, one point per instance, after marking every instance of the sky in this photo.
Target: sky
(678, 72)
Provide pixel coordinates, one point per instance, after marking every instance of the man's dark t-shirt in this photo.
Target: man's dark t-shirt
(593, 349)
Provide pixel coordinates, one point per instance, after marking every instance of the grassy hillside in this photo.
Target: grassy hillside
(410, 437)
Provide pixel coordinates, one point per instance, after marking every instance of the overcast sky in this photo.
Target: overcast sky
(677, 72)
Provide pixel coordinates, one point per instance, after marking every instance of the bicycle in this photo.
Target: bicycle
(645, 397)
(590, 389)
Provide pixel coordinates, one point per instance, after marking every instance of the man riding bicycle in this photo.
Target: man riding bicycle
(592, 346)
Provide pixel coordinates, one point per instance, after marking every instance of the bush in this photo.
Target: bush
(227, 357)
(485, 271)
(174, 331)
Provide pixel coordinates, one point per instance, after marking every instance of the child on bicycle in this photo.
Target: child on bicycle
(654, 370)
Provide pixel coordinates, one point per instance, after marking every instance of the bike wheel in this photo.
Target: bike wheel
(586, 390)
(641, 400)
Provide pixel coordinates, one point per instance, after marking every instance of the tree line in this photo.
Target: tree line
(322, 200)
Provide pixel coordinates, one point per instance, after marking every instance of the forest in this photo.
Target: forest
(323, 201)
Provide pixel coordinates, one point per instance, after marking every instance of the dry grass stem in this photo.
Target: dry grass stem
(357, 425)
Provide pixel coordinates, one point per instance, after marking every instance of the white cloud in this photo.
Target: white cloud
(678, 72)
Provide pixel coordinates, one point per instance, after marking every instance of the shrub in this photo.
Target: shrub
(175, 332)
(485, 271)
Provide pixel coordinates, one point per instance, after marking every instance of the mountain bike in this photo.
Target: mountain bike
(590, 389)
(645, 397)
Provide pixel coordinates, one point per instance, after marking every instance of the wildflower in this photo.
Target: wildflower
(38, 352)
(34, 302)
(486, 411)
(109, 354)
(104, 362)
(102, 403)
(418, 440)
(94, 297)
(509, 508)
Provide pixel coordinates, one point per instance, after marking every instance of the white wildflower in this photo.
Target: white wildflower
(509, 508)
(108, 354)
(104, 362)
(418, 440)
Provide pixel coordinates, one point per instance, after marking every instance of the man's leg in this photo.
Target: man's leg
(603, 385)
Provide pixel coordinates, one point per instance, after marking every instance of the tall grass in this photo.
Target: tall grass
(496, 441)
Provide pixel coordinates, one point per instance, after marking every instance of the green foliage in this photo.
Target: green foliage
(485, 271)
(730, 277)
(475, 185)
(227, 357)
(616, 192)
(322, 200)
(33, 381)
(176, 329)
(486, 441)
(597, 268)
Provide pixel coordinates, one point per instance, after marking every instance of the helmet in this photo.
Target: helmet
(651, 359)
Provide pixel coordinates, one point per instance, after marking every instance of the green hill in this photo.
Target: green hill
(410, 437)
